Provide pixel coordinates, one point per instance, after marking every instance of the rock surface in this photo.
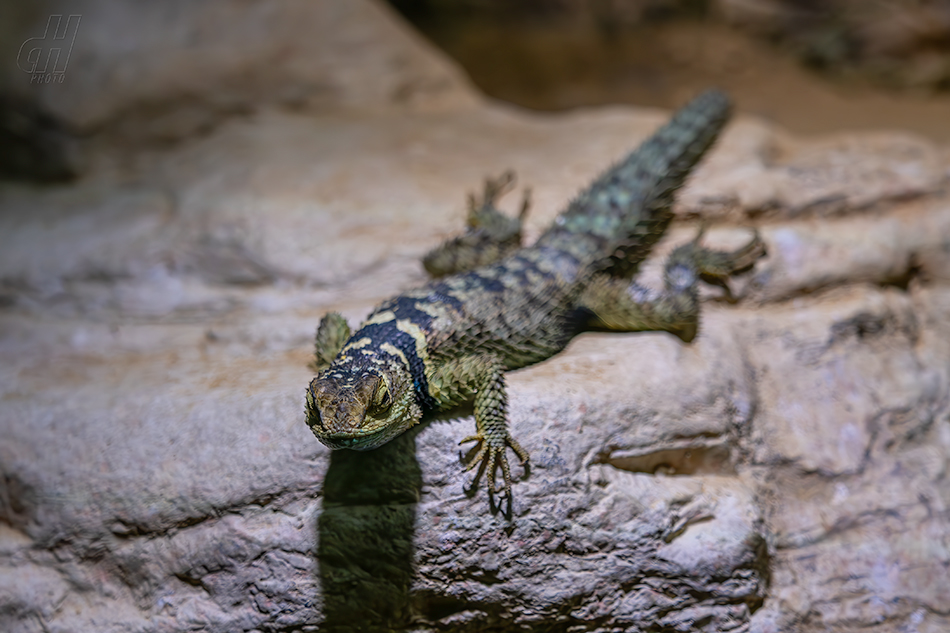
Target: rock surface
(787, 471)
(897, 42)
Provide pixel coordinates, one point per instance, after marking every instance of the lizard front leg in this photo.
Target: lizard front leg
(492, 436)
(332, 334)
(482, 379)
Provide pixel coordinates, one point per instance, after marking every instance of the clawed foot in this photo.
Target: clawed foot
(488, 454)
(715, 267)
(490, 234)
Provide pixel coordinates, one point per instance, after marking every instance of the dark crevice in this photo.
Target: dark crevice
(865, 326)
(283, 498)
(189, 580)
(37, 146)
(846, 524)
(903, 280)
(714, 459)
(18, 501)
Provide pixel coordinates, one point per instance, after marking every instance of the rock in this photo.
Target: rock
(174, 70)
(786, 471)
(897, 42)
(36, 146)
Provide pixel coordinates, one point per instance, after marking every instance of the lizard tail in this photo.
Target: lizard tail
(614, 223)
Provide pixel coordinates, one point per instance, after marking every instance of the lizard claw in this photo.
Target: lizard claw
(715, 267)
(489, 455)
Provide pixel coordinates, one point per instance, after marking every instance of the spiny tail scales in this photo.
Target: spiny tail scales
(451, 341)
(614, 223)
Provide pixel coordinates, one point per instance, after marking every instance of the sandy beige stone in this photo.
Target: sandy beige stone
(786, 471)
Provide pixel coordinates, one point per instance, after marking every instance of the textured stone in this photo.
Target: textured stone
(892, 41)
(175, 69)
(786, 471)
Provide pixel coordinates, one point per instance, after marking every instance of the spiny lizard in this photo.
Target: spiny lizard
(504, 307)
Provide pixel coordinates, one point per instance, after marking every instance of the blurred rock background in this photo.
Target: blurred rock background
(187, 196)
(812, 67)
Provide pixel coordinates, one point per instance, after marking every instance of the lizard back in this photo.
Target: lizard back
(523, 307)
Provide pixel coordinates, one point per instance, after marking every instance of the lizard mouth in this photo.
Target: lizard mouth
(356, 442)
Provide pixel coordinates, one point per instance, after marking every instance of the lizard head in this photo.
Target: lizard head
(361, 402)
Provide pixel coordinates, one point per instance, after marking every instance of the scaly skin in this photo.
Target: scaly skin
(490, 235)
(450, 341)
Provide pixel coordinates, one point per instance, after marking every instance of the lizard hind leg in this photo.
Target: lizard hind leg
(715, 267)
(618, 305)
(332, 334)
(490, 234)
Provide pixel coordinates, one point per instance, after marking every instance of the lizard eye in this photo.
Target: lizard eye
(313, 411)
(383, 399)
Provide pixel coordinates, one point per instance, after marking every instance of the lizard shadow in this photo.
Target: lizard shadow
(366, 532)
(365, 536)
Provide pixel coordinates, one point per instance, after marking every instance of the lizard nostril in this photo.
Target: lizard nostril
(342, 419)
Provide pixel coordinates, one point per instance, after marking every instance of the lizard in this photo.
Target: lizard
(496, 306)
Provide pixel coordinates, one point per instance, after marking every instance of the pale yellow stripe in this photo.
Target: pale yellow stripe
(363, 342)
(413, 330)
(383, 317)
(395, 351)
